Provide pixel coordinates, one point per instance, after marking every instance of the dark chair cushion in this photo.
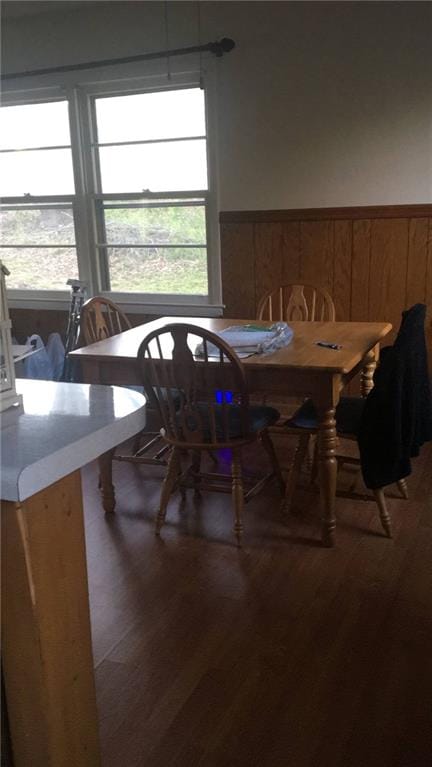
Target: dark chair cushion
(348, 415)
(260, 417)
(175, 394)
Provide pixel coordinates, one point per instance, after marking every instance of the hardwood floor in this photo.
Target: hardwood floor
(281, 654)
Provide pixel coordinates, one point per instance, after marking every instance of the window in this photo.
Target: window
(111, 187)
(38, 238)
(153, 142)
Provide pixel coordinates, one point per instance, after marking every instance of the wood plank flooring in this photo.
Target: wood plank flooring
(281, 654)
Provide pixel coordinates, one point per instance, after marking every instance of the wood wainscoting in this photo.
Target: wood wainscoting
(46, 321)
(374, 261)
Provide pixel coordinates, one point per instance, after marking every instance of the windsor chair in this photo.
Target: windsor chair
(101, 318)
(198, 384)
(287, 303)
(390, 424)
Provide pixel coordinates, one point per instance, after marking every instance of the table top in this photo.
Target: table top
(60, 428)
(355, 338)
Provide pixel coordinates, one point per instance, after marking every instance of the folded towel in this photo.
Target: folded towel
(246, 340)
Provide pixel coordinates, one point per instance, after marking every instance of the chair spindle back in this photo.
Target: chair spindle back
(306, 303)
(101, 318)
(194, 392)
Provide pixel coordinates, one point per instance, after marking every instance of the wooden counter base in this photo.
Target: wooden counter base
(46, 640)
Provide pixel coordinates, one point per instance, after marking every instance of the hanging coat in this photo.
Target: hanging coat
(397, 415)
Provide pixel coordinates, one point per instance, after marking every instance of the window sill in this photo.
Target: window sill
(129, 306)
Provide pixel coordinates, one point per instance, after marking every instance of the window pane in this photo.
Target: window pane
(144, 116)
(158, 270)
(48, 226)
(40, 268)
(153, 225)
(31, 125)
(36, 173)
(181, 165)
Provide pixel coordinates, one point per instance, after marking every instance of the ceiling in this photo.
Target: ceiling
(14, 9)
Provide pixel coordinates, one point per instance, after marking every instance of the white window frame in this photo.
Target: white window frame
(81, 99)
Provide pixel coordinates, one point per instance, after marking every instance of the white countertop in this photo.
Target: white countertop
(63, 426)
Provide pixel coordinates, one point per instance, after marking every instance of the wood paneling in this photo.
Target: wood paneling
(326, 214)
(342, 267)
(375, 261)
(428, 298)
(317, 250)
(25, 322)
(388, 269)
(417, 259)
(268, 269)
(291, 245)
(360, 268)
(237, 244)
(45, 321)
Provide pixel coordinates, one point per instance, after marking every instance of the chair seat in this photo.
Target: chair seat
(260, 417)
(348, 415)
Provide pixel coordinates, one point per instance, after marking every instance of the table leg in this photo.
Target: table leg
(46, 641)
(366, 379)
(327, 472)
(105, 479)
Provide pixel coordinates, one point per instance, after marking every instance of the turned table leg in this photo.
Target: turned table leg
(327, 473)
(367, 374)
(237, 495)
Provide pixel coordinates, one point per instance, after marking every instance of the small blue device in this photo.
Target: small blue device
(224, 396)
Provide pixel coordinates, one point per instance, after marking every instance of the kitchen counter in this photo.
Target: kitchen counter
(47, 658)
(62, 427)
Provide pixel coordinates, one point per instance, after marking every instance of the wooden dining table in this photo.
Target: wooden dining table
(302, 369)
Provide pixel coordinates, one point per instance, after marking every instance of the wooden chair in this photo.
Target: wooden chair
(302, 302)
(390, 424)
(101, 318)
(304, 424)
(203, 404)
(287, 303)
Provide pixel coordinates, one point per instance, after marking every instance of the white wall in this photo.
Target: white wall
(320, 104)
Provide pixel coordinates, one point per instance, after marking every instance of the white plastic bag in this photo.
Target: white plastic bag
(246, 340)
(37, 365)
(56, 355)
(281, 337)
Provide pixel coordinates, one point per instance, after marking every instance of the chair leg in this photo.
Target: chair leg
(293, 475)
(179, 485)
(136, 443)
(196, 467)
(237, 494)
(382, 508)
(403, 487)
(105, 485)
(268, 446)
(315, 464)
(169, 482)
(213, 457)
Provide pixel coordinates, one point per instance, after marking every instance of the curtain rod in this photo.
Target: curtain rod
(218, 48)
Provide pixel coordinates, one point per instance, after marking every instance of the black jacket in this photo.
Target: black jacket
(397, 415)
